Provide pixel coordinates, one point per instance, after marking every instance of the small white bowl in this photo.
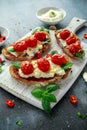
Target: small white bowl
(43, 11)
(4, 32)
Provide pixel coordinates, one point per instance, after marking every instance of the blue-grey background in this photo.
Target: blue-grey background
(19, 17)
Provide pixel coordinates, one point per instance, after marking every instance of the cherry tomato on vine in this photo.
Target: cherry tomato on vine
(58, 59)
(31, 41)
(9, 103)
(41, 36)
(27, 67)
(20, 46)
(43, 64)
(73, 99)
(64, 34)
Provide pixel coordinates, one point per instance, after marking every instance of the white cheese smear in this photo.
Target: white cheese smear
(54, 70)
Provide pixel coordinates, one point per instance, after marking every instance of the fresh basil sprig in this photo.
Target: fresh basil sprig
(16, 64)
(46, 96)
(67, 65)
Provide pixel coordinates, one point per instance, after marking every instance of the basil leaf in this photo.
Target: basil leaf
(52, 87)
(42, 28)
(50, 97)
(83, 116)
(48, 39)
(46, 105)
(35, 30)
(11, 50)
(37, 92)
(19, 123)
(67, 65)
(78, 54)
(17, 64)
(54, 52)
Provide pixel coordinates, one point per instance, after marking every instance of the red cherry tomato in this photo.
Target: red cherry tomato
(85, 35)
(74, 47)
(48, 55)
(38, 54)
(43, 64)
(73, 99)
(64, 34)
(20, 46)
(58, 59)
(2, 38)
(0, 60)
(31, 41)
(41, 36)
(9, 103)
(71, 39)
(27, 67)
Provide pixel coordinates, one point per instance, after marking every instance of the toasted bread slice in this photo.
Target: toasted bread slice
(41, 80)
(10, 55)
(75, 53)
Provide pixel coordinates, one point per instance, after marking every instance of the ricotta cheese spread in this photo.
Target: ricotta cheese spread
(55, 69)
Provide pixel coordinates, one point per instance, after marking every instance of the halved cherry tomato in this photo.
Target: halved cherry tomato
(43, 64)
(20, 46)
(0, 60)
(31, 41)
(9, 103)
(74, 47)
(48, 55)
(73, 99)
(27, 67)
(41, 36)
(64, 34)
(71, 39)
(85, 35)
(58, 59)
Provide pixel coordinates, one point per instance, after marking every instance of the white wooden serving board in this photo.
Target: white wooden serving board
(24, 92)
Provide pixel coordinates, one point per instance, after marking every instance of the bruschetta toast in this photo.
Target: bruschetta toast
(70, 43)
(37, 42)
(41, 71)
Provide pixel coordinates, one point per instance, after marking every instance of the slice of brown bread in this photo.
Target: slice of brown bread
(9, 56)
(66, 48)
(43, 81)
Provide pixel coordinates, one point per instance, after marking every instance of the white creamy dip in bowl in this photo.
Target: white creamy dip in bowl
(51, 15)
